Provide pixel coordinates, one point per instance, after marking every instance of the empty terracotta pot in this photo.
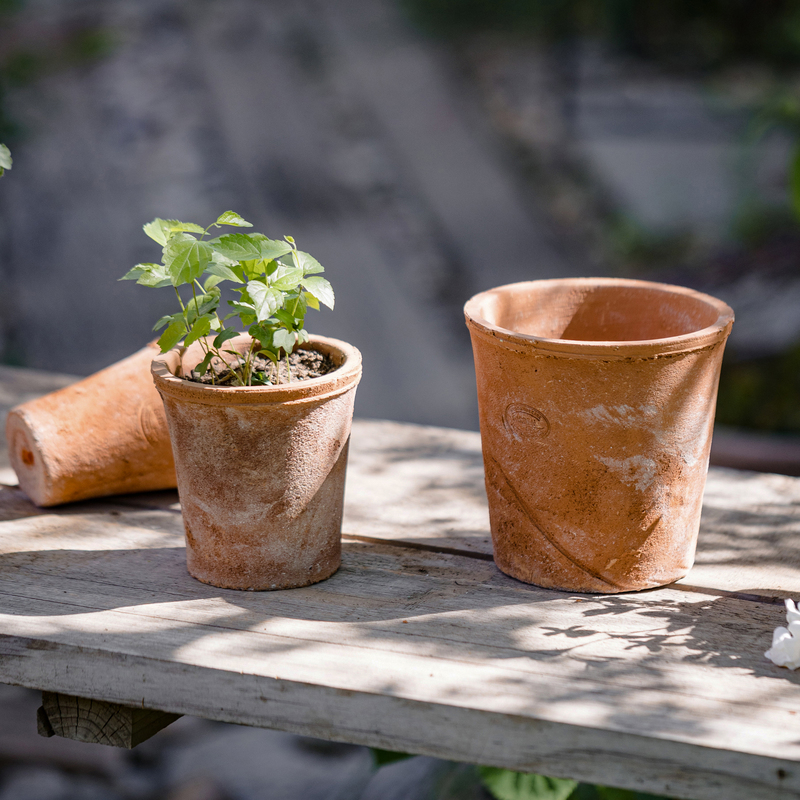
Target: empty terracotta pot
(596, 405)
(104, 435)
(261, 469)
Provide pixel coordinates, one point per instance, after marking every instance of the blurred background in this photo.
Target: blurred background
(423, 150)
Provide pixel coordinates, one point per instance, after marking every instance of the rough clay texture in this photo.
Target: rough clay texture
(596, 404)
(106, 434)
(261, 470)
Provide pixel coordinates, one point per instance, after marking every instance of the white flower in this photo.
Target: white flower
(792, 612)
(785, 650)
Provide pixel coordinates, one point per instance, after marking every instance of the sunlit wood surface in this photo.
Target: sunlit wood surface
(418, 643)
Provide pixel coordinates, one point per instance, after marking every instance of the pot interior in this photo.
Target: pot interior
(596, 312)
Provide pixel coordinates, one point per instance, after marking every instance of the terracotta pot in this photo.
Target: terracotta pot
(261, 470)
(104, 435)
(596, 405)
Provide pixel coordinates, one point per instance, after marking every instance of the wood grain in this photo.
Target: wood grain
(98, 722)
(664, 691)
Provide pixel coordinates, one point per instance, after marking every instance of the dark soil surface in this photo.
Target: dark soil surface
(304, 365)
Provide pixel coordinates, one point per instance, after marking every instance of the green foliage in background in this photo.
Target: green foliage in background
(275, 282)
(505, 784)
(28, 51)
(683, 33)
(762, 393)
(5, 159)
(782, 111)
(380, 758)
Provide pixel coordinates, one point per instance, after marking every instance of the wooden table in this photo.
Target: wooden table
(418, 643)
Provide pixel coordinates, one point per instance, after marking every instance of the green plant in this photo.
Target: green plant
(275, 282)
(704, 34)
(504, 784)
(5, 158)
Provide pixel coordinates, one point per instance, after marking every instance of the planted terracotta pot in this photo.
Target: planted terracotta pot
(261, 469)
(104, 435)
(596, 405)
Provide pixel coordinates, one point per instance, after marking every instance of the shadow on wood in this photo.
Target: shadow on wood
(97, 721)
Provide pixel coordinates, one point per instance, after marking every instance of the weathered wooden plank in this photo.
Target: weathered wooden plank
(443, 632)
(98, 721)
(388, 721)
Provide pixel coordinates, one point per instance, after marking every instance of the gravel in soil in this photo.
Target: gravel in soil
(303, 365)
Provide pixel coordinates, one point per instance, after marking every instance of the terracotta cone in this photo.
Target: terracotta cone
(104, 435)
(597, 402)
(261, 470)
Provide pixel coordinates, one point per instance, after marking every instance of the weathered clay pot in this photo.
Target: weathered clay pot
(596, 404)
(261, 470)
(104, 435)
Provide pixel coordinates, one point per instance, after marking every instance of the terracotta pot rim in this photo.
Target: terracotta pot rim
(344, 377)
(710, 336)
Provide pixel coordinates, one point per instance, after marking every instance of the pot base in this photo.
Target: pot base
(270, 585)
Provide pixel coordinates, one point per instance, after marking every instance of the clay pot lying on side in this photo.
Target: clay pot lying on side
(104, 435)
(597, 402)
(261, 469)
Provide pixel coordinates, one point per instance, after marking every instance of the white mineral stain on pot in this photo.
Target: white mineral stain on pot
(623, 415)
(636, 471)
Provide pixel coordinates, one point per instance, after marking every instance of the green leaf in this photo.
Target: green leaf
(211, 281)
(172, 335)
(504, 784)
(200, 328)
(272, 356)
(266, 300)
(186, 258)
(308, 263)
(241, 308)
(286, 278)
(167, 320)
(134, 272)
(236, 246)
(157, 230)
(311, 300)
(203, 366)
(794, 180)
(320, 288)
(223, 272)
(225, 335)
(252, 268)
(272, 248)
(5, 159)
(175, 226)
(259, 379)
(286, 318)
(382, 757)
(155, 276)
(232, 218)
(203, 304)
(284, 339)
(296, 304)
